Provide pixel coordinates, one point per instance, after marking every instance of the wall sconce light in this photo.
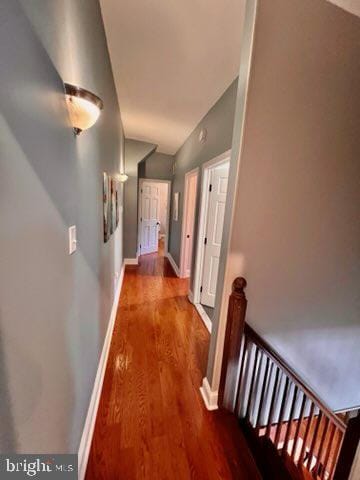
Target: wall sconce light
(84, 107)
(121, 177)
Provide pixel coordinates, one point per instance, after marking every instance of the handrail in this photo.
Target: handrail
(265, 392)
(255, 337)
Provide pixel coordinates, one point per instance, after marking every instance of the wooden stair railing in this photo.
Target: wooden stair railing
(281, 415)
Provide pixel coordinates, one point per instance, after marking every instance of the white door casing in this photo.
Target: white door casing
(149, 217)
(188, 222)
(214, 228)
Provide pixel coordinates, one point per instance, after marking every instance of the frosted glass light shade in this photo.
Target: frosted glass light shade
(122, 177)
(84, 107)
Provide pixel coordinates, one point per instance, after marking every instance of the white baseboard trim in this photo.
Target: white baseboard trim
(210, 397)
(173, 264)
(191, 297)
(204, 316)
(86, 438)
(131, 261)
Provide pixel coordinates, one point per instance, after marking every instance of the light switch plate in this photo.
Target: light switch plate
(72, 239)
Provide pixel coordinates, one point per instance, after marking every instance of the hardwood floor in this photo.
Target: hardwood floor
(151, 422)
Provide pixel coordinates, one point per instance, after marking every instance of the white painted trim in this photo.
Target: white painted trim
(191, 296)
(155, 180)
(204, 203)
(188, 175)
(173, 264)
(131, 261)
(345, 410)
(216, 161)
(204, 316)
(237, 146)
(210, 397)
(88, 431)
(355, 469)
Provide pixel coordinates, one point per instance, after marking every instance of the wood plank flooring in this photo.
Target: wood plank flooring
(151, 422)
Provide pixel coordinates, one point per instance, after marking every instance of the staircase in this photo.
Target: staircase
(291, 432)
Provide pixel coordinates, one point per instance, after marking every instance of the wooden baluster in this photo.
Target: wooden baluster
(319, 455)
(301, 416)
(309, 420)
(242, 368)
(348, 448)
(313, 442)
(328, 449)
(281, 413)
(291, 415)
(272, 403)
(248, 409)
(262, 395)
(336, 451)
(232, 345)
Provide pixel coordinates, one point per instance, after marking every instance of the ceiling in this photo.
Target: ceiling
(171, 61)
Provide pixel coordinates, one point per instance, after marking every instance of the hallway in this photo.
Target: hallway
(151, 421)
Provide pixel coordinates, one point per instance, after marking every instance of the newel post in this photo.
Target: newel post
(348, 448)
(233, 336)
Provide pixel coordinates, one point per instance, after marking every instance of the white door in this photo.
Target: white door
(190, 203)
(214, 228)
(149, 217)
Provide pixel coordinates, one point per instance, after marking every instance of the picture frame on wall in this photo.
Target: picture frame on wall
(176, 207)
(112, 205)
(106, 207)
(117, 206)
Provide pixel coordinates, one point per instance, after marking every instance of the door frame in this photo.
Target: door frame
(192, 173)
(155, 180)
(203, 214)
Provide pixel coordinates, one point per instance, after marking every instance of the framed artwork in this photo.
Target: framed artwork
(106, 207)
(117, 198)
(112, 205)
(176, 207)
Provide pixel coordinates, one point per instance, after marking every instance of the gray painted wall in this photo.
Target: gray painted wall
(219, 124)
(135, 152)
(54, 308)
(158, 166)
(209, 311)
(296, 234)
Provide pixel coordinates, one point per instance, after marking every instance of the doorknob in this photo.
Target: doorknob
(157, 223)
(187, 236)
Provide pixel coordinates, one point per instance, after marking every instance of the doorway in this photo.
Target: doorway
(211, 221)
(153, 221)
(187, 236)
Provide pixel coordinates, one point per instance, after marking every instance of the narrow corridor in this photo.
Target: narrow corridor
(151, 422)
